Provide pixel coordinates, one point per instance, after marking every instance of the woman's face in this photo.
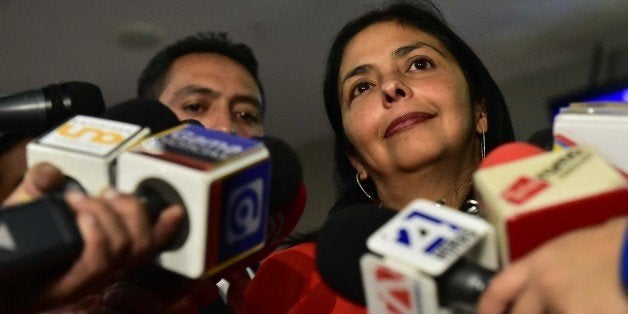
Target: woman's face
(405, 102)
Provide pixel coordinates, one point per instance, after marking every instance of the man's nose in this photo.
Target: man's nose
(220, 120)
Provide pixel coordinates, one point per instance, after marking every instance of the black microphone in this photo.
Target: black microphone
(342, 243)
(34, 111)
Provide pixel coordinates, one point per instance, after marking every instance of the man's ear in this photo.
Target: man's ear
(356, 162)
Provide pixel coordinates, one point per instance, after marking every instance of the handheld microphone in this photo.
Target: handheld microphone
(85, 148)
(222, 180)
(423, 234)
(42, 234)
(287, 201)
(533, 197)
(601, 125)
(34, 111)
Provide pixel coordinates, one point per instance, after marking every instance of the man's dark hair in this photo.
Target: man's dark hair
(152, 79)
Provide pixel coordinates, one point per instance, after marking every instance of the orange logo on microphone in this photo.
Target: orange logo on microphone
(93, 134)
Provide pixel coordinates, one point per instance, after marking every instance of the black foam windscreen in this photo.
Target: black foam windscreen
(287, 174)
(341, 244)
(37, 110)
(144, 112)
(77, 97)
(543, 139)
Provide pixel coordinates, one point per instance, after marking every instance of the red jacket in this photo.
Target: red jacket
(288, 282)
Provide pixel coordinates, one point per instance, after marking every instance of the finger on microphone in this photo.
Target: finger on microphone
(39, 179)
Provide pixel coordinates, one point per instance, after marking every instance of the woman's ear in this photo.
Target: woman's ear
(356, 162)
(481, 118)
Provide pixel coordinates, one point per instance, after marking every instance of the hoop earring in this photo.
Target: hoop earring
(372, 199)
(483, 145)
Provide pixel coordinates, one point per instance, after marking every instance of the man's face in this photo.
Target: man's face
(215, 90)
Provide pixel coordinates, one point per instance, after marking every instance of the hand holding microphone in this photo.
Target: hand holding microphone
(287, 197)
(115, 234)
(114, 231)
(605, 197)
(561, 218)
(578, 272)
(27, 114)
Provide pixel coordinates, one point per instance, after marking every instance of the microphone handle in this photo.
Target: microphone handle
(35, 236)
(42, 235)
(460, 287)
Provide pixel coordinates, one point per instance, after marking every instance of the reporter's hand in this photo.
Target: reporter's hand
(38, 180)
(574, 273)
(117, 237)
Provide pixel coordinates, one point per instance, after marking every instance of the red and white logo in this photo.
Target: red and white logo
(523, 189)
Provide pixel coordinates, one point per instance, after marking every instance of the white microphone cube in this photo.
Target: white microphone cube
(431, 237)
(391, 287)
(84, 148)
(601, 125)
(223, 181)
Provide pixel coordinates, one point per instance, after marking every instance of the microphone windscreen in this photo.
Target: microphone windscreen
(287, 174)
(83, 97)
(543, 139)
(144, 112)
(509, 152)
(341, 244)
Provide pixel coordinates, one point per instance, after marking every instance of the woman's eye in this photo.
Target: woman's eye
(361, 88)
(423, 63)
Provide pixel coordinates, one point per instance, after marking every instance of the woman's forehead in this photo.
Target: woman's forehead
(384, 38)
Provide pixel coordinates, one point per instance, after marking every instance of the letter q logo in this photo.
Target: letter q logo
(244, 211)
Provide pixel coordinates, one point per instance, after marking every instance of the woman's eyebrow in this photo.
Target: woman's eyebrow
(356, 71)
(406, 49)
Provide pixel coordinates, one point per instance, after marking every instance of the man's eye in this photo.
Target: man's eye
(247, 116)
(361, 88)
(192, 108)
(423, 63)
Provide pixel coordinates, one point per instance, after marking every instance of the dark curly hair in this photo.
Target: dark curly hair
(151, 81)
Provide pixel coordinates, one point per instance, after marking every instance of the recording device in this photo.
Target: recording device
(533, 197)
(34, 111)
(412, 261)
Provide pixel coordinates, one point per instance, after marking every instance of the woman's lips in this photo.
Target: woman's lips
(407, 121)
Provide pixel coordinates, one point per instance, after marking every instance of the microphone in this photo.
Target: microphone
(222, 180)
(42, 234)
(532, 196)
(407, 277)
(37, 110)
(85, 148)
(600, 125)
(287, 201)
(402, 276)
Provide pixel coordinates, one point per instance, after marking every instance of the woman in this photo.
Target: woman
(413, 110)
